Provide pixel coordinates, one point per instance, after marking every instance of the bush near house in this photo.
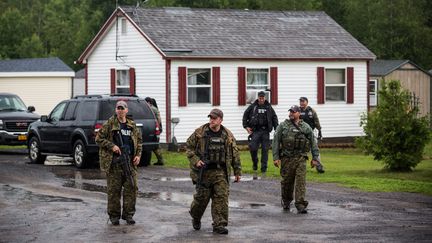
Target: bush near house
(395, 134)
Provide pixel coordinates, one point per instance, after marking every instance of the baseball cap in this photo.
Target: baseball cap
(294, 108)
(215, 113)
(122, 103)
(261, 93)
(304, 98)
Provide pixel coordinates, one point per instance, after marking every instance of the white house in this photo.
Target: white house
(40, 82)
(193, 60)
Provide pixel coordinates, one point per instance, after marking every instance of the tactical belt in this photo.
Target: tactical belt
(215, 166)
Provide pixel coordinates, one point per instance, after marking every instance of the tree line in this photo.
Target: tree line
(392, 29)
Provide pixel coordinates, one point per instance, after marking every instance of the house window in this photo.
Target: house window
(257, 79)
(122, 82)
(199, 85)
(373, 92)
(335, 84)
(123, 26)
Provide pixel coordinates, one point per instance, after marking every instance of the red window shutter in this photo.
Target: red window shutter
(320, 79)
(86, 78)
(350, 85)
(216, 85)
(132, 84)
(113, 81)
(241, 85)
(274, 85)
(182, 86)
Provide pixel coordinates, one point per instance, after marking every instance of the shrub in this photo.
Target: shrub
(394, 134)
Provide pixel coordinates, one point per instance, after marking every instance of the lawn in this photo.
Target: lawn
(349, 168)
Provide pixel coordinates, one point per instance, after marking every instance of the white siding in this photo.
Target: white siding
(295, 79)
(43, 93)
(136, 52)
(78, 86)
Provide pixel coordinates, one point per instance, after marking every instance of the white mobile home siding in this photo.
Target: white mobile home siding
(136, 52)
(295, 79)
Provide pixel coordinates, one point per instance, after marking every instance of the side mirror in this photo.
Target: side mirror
(31, 109)
(44, 118)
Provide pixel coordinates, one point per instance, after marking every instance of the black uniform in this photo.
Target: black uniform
(262, 119)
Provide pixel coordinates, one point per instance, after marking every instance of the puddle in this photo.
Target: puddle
(87, 174)
(167, 179)
(30, 196)
(165, 196)
(243, 205)
(56, 160)
(85, 186)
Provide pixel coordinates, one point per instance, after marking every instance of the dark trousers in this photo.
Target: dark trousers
(257, 138)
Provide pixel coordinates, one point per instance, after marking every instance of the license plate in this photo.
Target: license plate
(22, 137)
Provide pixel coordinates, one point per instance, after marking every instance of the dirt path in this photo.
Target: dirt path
(60, 203)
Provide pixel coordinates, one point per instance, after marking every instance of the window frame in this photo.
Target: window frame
(210, 86)
(265, 87)
(117, 86)
(375, 93)
(344, 85)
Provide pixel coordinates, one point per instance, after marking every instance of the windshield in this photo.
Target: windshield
(138, 109)
(11, 103)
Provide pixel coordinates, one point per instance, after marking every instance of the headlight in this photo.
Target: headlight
(1, 124)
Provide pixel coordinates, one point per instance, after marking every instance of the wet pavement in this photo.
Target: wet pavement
(57, 202)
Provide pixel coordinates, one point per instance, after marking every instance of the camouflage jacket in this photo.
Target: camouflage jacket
(104, 139)
(195, 146)
(287, 130)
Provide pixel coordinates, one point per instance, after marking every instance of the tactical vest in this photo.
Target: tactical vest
(307, 116)
(215, 154)
(294, 141)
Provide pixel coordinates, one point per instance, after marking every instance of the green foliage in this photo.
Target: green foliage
(392, 29)
(394, 133)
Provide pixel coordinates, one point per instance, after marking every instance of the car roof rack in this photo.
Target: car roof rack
(124, 95)
(87, 96)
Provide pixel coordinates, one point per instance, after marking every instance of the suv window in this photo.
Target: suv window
(12, 103)
(137, 109)
(57, 113)
(88, 111)
(70, 111)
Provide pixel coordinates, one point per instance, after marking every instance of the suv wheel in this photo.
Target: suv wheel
(35, 152)
(145, 158)
(80, 156)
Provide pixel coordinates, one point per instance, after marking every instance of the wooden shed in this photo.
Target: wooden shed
(412, 77)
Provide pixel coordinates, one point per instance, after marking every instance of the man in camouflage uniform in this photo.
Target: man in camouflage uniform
(153, 107)
(292, 141)
(212, 150)
(108, 139)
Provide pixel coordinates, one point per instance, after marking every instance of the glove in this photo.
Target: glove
(319, 135)
(318, 165)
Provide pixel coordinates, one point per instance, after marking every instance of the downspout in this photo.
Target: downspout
(168, 100)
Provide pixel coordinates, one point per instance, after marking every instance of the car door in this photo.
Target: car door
(49, 130)
(65, 127)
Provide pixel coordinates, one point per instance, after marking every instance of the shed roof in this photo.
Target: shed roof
(189, 32)
(50, 64)
(385, 67)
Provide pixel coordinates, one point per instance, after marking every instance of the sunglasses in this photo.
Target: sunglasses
(120, 108)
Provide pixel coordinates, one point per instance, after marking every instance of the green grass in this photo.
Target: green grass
(349, 168)
(12, 146)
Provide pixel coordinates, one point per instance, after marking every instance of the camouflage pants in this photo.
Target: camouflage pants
(158, 153)
(115, 182)
(293, 172)
(215, 187)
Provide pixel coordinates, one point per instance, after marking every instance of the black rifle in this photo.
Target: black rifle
(204, 158)
(319, 167)
(124, 160)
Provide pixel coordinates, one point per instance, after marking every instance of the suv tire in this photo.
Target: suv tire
(79, 154)
(145, 158)
(35, 151)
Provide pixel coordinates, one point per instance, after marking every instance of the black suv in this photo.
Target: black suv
(15, 118)
(71, 128)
